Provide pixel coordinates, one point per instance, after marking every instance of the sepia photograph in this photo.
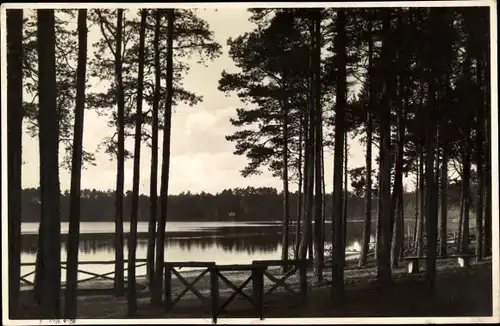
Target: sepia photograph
(263, 162)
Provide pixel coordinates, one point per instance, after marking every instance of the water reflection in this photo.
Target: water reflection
(246, 240)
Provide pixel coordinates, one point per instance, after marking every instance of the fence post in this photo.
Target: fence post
(168, 287)
(214, 292)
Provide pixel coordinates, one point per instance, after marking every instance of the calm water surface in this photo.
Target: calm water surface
(222, 242)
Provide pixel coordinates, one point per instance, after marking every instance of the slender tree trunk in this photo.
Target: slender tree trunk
(76, 172)
(120, 161)
(303, 245)
(14, 152)
(323, 194)
(286, 195)
(458, 242)
(466, 180)
(345, 190)
(365, 246)
(378, 229)
(48, 123)
(430, 149)
(299, 191)
(443, 252)
(487, 247)
(384, 274)
(318, 214)
(132, 241)
(307, 237)
(397, 199)
(480, 165)
(160, 248)
(421, 221)
(153, 189)
(337, 288)
(417, 205)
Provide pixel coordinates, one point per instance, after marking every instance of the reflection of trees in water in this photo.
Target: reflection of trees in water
(248, 243)
(248, 240)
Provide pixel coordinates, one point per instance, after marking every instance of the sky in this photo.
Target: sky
(201, 158)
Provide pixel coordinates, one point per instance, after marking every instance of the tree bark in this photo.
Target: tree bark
(431, 203)
(307, 237)
(165, 163)
(48, 122)
(479, 164)
(286, 195)
(299, 191)
(318, 205)
(337, 288)
(365, 246)
(14, 152)
(132, 241)
(421, 220)
(397, 198)
(153, 189)
(464, 248)
(384, 273)
(120, 161)
(76, 172)
(443, 250)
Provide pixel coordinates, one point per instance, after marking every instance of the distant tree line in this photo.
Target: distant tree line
(239, 204)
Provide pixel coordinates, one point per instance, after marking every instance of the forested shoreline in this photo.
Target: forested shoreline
(247, 204)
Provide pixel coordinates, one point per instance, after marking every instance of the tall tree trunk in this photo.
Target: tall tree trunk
(378, 227)
(160, 248)
(466, 193)
(430, 149)
(365, 246)
(384, 274)
(14, 152)
(303, 245)
(479, 164)
(443, 250)
(299, 191)
(307, 237)
(286, 195)
(397, 199)
(337, 288)
(120, 161)
(417, 205)
(153, 189)
(421, 220)
(48, 123)
(76, 172)
(487, 247)
(458, 241)
(132, 241)
(318, 205)
(345, 190)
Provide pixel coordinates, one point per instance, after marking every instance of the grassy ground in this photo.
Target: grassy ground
(460, 292)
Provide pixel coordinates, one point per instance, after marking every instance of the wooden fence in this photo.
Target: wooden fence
(257, 270)
(93, 275)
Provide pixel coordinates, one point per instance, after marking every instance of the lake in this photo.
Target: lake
(222, 242)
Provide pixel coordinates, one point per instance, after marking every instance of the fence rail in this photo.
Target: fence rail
(105, 276)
